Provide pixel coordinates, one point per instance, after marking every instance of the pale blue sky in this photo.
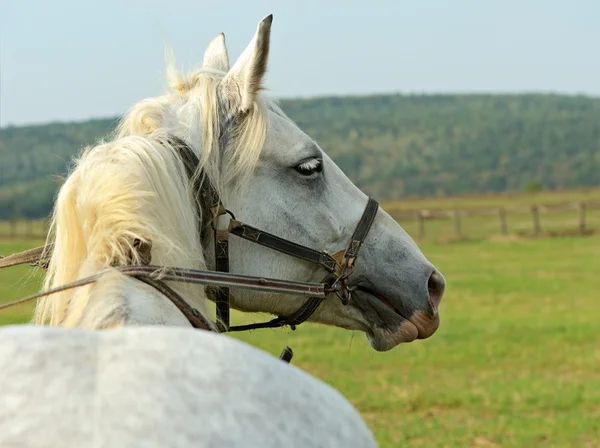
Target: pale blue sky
(72, 60)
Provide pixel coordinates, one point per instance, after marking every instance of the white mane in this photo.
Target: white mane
(135, 188)
(120, 191)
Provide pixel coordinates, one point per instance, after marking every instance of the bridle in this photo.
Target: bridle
(339, 265)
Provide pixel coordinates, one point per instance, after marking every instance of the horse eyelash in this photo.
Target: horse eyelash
(311, 164)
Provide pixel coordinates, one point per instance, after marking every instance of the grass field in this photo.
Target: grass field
(516, 362)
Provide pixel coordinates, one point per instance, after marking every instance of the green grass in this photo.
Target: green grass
(17, 282)
(515, 363)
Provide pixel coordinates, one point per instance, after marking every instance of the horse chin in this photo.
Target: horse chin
(384, 339)
(389, 328)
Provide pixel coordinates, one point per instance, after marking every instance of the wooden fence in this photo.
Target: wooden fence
(578, 210)
(422, 223)
(23, 229)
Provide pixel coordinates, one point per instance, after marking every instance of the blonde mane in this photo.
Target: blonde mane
(134, 188)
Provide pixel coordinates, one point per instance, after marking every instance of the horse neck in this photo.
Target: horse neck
(118, 300)
(99, 213)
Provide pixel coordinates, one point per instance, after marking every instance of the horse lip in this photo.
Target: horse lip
(425, 324)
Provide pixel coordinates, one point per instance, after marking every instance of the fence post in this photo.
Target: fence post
(456, 215)
(420, 225)
(29, 229)
(581, 216)
(502, 215)
(12, 234)
(535, 213)
(14, 207)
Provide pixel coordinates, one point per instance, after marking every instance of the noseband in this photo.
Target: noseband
(339, 265)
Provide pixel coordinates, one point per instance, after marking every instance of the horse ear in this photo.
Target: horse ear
(248, 71)
(215, 55)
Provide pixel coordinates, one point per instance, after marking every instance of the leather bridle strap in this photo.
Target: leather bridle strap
(194, 276)
(194, 317)
(338, 276)
(211, 278)
(221, 243)
(323, 259)
(340, 284)
(309, 306)
(207, 198)
(211, 209)
(209, 205)
(339, 265)
(362, 229)
(279, 244)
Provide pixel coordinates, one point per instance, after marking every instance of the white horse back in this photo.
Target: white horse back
(161, 387)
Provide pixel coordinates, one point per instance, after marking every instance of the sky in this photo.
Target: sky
(70, 60)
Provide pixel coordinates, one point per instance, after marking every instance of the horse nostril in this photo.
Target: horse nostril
(436, 286)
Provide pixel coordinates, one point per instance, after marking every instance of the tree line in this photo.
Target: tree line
(391, 146)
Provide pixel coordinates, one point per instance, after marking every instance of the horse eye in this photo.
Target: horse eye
(310, 167)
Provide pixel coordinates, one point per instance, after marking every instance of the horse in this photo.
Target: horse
(133, 199)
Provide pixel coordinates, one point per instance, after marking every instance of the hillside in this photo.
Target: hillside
(392, 146)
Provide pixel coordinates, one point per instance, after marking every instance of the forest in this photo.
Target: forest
(391, 146)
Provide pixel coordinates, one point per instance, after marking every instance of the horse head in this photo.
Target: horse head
(273, 176)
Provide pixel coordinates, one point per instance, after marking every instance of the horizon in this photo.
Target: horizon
(306, 98)
(59, 58)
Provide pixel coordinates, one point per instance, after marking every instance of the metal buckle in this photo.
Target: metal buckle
(340, 284)
(217, 213)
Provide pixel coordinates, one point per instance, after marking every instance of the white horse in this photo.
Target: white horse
(159, 386)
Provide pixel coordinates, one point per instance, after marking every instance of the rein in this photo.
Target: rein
(339, 265)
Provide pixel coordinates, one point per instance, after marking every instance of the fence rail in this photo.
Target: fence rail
(23, 229)
(536, 211)
(576, 213)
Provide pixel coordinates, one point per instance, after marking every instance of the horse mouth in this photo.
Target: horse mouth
(391, 325)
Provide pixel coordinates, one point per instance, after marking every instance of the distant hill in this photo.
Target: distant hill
(390, 145)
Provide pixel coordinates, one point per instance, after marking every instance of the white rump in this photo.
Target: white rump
(161, 387)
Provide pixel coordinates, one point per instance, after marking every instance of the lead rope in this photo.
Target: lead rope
(37, 256)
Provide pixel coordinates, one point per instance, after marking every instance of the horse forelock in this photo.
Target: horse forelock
(199, 109)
